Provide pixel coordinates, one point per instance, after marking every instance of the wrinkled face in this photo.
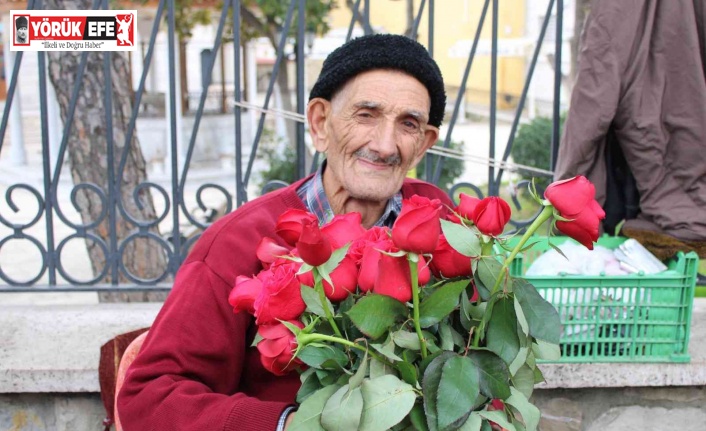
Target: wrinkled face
(376, 132)
(22, 32)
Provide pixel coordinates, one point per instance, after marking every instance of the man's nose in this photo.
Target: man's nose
(385, 142)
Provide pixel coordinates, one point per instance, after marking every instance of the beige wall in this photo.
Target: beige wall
(457, 20)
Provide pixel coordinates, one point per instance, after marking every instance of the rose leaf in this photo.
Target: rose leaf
(501, 336)
(343, 410)
(541, 316)
(440, 303)
(461, 238)
(309, 413)
(387, 400)
(458, 389)
(374, 314)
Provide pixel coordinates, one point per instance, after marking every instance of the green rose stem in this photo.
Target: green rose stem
(545, 215)
(305, 339)
(413, 259)
(486, 248)
(319, 287)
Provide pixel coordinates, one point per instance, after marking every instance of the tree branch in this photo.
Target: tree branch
(252, 20)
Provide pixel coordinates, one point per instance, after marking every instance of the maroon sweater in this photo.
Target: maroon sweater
(196, 370)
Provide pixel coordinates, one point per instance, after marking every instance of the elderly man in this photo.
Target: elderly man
(374, 111)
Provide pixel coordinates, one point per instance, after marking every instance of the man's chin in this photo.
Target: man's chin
(371, 193)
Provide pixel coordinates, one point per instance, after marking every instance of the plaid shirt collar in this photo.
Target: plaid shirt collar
(314, 197)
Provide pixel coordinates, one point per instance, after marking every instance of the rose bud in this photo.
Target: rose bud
(393, 278)
(446, 262)
(345, 280)
(466, 206)
(377, 242)
(289, 224)
(313, 247)
(277, 348)
(242, 297)
(574, 199)
(491, 215)
(268, 251)
(417, 228)
(280, 297)
(344, 228)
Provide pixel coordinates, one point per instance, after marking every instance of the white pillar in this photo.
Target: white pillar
(54, 125)
(178, 119)
(144, 31)
(251, 72)
(280, 125)
(18, 156)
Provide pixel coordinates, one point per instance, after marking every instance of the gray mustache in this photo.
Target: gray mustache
(373, 157)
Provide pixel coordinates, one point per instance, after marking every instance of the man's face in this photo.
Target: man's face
(22, 32)
(375, 132)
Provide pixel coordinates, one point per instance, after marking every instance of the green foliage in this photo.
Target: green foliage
(452, 169)
(532, 147)
(374, 314)
(266, 17)
(280, 160)
(186, 17)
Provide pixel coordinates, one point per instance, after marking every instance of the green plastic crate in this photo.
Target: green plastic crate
(626, 318)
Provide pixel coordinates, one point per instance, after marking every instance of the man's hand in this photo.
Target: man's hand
(289, 420)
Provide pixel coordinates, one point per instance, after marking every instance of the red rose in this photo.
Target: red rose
(344, 277)
(280, 297)
(344, 228)
(371, 236)
(446, 262)
(277, 348)
(491, 215)
(417, 228)
(393, 277)
(345, 280)
(466, 206)
(242, 297)
(376, 240)
(574, 200)
(289, 224)
(268, 251)
(313, 247)
(286, 261)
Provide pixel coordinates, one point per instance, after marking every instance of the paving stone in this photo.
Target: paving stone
(636, 418)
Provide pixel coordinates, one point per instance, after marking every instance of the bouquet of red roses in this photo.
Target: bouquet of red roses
(415, 327)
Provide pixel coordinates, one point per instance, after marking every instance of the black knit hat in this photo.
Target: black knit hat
(383, 51)
(20, 22)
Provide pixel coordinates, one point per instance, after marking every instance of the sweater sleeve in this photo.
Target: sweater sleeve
(193, 357)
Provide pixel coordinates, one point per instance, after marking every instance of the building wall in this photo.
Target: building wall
(455, 25)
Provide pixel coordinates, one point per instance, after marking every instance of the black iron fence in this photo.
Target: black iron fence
(183, 212)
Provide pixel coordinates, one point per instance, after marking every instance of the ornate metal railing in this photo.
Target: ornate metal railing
(48, 231)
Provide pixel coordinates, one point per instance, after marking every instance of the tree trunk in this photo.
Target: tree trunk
(88, 157)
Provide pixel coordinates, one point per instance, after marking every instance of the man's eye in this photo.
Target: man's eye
(412, 125)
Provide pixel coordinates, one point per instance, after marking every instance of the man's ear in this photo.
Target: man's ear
(431, 135)
(317, 114)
